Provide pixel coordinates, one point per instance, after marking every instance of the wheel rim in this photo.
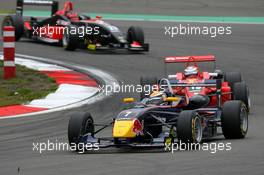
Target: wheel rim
(249, 101)
(197, 130)
(243, 120)
(89, 126)
(65, 41)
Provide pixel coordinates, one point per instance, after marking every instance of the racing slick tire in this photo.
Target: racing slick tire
(189, 127)
(79, 124)
(135, 34)
(17, 22)
(234, 119)
(70, 41)
(241, 92)
(232, 78)
(147, 81)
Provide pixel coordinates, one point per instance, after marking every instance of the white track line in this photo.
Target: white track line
(65, 94)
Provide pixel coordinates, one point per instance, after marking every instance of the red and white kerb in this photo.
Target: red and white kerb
(9, 52)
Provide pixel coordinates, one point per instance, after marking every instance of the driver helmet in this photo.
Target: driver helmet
(191, 70)
(156, 94)
(157, 97)
(72, 15)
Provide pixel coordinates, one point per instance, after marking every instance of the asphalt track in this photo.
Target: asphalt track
(242, 51)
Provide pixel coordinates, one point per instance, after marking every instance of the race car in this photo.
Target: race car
(72, 30)
(187, 107)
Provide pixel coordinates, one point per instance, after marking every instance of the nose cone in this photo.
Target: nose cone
(123, 129)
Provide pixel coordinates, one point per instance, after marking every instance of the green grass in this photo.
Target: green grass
(27, 86)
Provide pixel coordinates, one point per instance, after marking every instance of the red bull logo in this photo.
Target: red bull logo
(138, 127)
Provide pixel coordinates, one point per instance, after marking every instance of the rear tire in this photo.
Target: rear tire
(147, 81)
(135, 34)
(241, 92)
(234, 119)
(17, 22)
(79, 125)
(189, 127)
(70, 41)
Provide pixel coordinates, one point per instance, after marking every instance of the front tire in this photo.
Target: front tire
(189, 127)
(234, 119)
(79, 125)
(135, 34)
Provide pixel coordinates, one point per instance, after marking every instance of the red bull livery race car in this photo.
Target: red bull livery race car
(188, 106)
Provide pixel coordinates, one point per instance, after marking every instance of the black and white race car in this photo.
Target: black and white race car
(72, 30)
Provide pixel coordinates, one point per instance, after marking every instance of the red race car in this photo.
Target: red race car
(219, 99)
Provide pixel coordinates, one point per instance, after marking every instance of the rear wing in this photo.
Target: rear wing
(188, 59)
(167, 82)
(206, 83)
(20, 5)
